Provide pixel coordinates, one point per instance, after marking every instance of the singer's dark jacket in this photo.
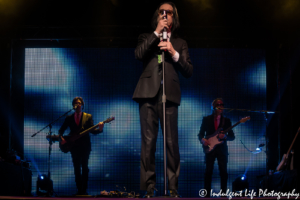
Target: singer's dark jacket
(150, 80)
(208, 128)
(86, 122)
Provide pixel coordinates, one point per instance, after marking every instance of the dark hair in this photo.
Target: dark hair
(213, 104)
(175, 24)
(75, 99)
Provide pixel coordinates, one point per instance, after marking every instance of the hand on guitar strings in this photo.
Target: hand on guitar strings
(205, 142)
(62, 140)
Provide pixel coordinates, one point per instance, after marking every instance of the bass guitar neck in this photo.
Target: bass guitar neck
(67, 142)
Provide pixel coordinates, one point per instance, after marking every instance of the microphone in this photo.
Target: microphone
(165, 35)
(75, 107)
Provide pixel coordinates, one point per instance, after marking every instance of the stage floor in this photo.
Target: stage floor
(113, 198)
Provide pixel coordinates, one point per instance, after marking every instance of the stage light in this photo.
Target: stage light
(243, 177)
(44, 185)
(240, 183)
(258, 149)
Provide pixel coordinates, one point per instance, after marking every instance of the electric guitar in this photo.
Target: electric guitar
(285, 157)
(214, 140)
(67, 142)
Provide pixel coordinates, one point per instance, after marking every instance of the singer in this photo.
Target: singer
(78, 122)
(148, 94)
(209, 125)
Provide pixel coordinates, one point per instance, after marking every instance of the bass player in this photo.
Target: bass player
(80, 151)
(210, 124)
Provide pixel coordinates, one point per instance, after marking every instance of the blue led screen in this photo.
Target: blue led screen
(106, 79)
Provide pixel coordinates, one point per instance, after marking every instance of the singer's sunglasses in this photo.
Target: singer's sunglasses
(169, 12)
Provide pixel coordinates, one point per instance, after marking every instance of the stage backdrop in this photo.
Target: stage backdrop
(106, 79)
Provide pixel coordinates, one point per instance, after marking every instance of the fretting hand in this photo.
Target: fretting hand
(101, 125)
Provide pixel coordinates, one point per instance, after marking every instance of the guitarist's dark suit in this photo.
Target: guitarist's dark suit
(148, 94)
(81, 150)
(220, 152)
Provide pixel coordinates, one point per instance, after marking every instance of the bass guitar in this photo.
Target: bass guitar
(214, 140)
(67, 142)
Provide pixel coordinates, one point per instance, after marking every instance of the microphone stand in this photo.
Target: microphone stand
(164, 99)
(250, 110)
(50, 138)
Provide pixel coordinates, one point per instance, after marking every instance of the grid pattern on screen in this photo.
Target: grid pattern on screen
(106, 79)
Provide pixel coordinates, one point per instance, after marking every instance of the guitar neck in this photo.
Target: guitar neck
(231, 127)
(287, 154)
(88, 130)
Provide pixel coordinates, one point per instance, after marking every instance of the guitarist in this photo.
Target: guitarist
(78, 122)
(209, 126)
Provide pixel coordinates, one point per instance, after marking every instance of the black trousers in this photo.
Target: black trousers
(222, 163)
(151, 111)
(80, 159)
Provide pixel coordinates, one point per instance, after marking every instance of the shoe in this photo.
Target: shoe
(174, 193)
(151, 192)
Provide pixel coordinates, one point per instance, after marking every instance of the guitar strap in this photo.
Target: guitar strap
(83, 120)
(223, 121)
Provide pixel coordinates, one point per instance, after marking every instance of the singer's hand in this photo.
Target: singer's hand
(167, 46)
(161, 24)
